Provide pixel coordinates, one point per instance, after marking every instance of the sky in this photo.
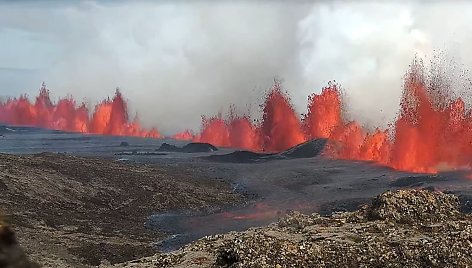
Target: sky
(177, 61)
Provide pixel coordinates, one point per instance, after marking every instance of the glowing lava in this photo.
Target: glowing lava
(261, 211)
(235, 131)
(432, 132)
(324, 113)
(109, 118)
(281, 128)
(186, 135)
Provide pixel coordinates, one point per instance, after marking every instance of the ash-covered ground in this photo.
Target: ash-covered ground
(114, 199)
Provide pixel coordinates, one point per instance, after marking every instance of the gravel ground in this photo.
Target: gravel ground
(72, 211)
(405, 228)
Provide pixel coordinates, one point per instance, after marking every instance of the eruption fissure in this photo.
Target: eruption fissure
(432, 132)
(110, 117)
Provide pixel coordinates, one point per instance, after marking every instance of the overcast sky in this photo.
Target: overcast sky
(175, 62)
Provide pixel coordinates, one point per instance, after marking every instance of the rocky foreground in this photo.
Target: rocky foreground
(406, 228)
(70, 211)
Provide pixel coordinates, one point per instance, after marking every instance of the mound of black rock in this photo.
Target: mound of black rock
(165, 147)
(308, 149)
(193, 147)
(124, 144)
(241, 157)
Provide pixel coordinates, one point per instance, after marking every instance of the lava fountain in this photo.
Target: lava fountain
(110, 117)
(432, 132)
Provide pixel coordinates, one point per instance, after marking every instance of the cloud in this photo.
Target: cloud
(175, 62)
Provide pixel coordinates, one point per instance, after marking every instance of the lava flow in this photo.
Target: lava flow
(432, 132)
(110, 117)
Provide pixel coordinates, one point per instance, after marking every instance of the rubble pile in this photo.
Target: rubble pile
(414, 206)
(406, 228)
(70, 211)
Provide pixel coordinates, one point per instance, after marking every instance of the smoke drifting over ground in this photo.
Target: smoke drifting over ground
(175, 62)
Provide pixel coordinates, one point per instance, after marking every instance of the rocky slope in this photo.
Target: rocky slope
(406, 228)
(74, 211)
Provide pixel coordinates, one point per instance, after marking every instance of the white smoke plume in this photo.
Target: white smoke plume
(176, 62)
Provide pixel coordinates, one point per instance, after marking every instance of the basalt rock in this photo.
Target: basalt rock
(124, 144)
(165, 147)
(193, 147)
(199, 147)
(308, 149)
(241, 157)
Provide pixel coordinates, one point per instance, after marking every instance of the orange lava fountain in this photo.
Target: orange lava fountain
(109, 118)
(186, 135)
(433, 130)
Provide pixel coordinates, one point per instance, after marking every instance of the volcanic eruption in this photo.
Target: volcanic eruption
(110, 117)
(432, 131)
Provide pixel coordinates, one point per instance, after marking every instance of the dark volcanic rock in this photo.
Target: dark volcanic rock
(193, 147)
(466, 203)
(134, 152)
(124, 144)
(241, 157)
(165, 147)
(307, 149)
(198, 147)
(3, 130)
(415, 181)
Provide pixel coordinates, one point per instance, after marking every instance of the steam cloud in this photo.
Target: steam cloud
(175, 62)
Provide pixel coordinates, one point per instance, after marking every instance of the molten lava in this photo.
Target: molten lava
(236, 131)
(109, 118)
(281, 128)
(260, 211)
(324, 113)
(433, 130)
(186, 135)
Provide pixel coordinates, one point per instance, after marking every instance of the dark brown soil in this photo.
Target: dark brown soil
(75, 211)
